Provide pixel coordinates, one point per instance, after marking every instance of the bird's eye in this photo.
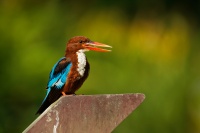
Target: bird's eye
(80, 41)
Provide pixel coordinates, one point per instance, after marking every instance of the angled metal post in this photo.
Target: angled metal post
(86, 113)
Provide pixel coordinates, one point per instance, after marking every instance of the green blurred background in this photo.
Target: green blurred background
(155, 51)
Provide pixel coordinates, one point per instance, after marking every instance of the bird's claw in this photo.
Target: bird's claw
(63, 93)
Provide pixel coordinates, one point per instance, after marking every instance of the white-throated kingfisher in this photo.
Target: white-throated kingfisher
(69, 73)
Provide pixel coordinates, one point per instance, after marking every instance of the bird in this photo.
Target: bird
(69, 73)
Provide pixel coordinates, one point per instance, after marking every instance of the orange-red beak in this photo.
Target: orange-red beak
(94, 46)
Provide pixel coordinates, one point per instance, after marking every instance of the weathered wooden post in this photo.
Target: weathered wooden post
(86, 113)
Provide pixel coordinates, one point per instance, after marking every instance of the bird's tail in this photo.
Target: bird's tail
(43, 107)
(51, 97)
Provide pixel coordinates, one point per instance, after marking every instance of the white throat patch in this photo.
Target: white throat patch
(81, 62)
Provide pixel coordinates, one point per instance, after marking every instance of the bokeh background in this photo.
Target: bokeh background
(156, 51)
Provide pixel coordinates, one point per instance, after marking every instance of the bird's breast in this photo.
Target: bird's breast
(81, 64)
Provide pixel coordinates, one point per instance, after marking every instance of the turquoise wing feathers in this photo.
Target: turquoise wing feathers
(57, 80)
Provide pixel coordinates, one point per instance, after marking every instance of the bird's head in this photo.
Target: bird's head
(83, 43)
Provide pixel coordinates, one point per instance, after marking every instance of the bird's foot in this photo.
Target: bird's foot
(63, 93)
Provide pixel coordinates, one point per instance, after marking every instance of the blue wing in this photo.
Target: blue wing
(57, 80)
(58, 74)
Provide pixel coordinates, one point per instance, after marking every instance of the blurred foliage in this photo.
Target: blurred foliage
(155, 51)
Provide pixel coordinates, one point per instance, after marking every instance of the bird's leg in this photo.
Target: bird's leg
(63, 93)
